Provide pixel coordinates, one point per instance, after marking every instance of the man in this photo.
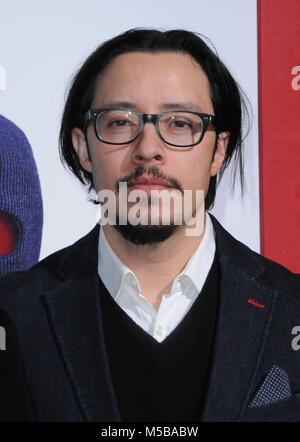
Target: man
(139, 322)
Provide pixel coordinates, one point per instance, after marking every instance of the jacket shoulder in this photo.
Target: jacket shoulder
(46, 274)
(254, 265)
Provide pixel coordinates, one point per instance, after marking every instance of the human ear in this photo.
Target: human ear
(220, 153)
(81, 148)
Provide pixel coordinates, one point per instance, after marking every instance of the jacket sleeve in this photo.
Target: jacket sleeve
(15, 403)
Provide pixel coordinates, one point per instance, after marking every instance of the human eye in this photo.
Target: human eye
(180, 122)
(119, 120)
(118, 125)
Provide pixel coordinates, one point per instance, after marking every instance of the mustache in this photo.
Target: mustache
(153, 171)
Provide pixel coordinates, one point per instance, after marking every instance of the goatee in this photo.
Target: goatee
(145, 234)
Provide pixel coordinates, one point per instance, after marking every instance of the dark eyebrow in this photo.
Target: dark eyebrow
(182, 106)
(167, 106)
(122, 104)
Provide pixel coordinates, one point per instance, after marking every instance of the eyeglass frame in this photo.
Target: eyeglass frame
(94, 114)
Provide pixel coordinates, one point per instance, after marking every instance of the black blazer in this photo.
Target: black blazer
(15, 403)
(56, 311)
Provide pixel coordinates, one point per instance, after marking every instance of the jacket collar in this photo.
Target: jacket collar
(241, 332)
(81, 257)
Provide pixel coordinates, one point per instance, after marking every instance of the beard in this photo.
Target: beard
(145, 234)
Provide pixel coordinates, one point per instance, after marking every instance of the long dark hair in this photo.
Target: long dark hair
(226, 95)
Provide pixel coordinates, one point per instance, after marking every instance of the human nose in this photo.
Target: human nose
(149, 147)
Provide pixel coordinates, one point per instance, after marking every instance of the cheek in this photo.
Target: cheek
(106, 170)
(8, 234)
(193, 171)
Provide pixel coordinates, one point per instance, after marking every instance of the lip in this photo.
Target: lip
(149, 187)
(146, 183)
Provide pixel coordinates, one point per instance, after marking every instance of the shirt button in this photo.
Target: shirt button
(159, 331)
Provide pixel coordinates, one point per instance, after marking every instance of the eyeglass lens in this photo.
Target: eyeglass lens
(121, 126)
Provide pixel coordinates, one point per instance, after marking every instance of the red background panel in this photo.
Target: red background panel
(279, 132)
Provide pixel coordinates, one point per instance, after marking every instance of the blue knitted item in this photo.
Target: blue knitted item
(20, 197)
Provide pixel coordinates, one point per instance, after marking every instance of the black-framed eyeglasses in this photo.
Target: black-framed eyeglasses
(179, 128)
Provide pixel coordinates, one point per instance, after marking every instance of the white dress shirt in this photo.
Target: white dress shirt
(124, 287)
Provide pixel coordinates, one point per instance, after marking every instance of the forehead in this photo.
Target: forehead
(150, 80)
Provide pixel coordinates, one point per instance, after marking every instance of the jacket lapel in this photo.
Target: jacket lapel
(75, 313)
(245, 312)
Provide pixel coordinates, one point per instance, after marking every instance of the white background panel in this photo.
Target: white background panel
(43, 42)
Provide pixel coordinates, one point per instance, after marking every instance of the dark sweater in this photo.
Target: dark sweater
(164, 381)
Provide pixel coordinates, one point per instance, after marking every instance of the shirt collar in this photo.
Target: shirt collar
(199, 264)
(113, 272)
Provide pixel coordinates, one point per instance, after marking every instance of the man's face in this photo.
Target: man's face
(152, 83)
